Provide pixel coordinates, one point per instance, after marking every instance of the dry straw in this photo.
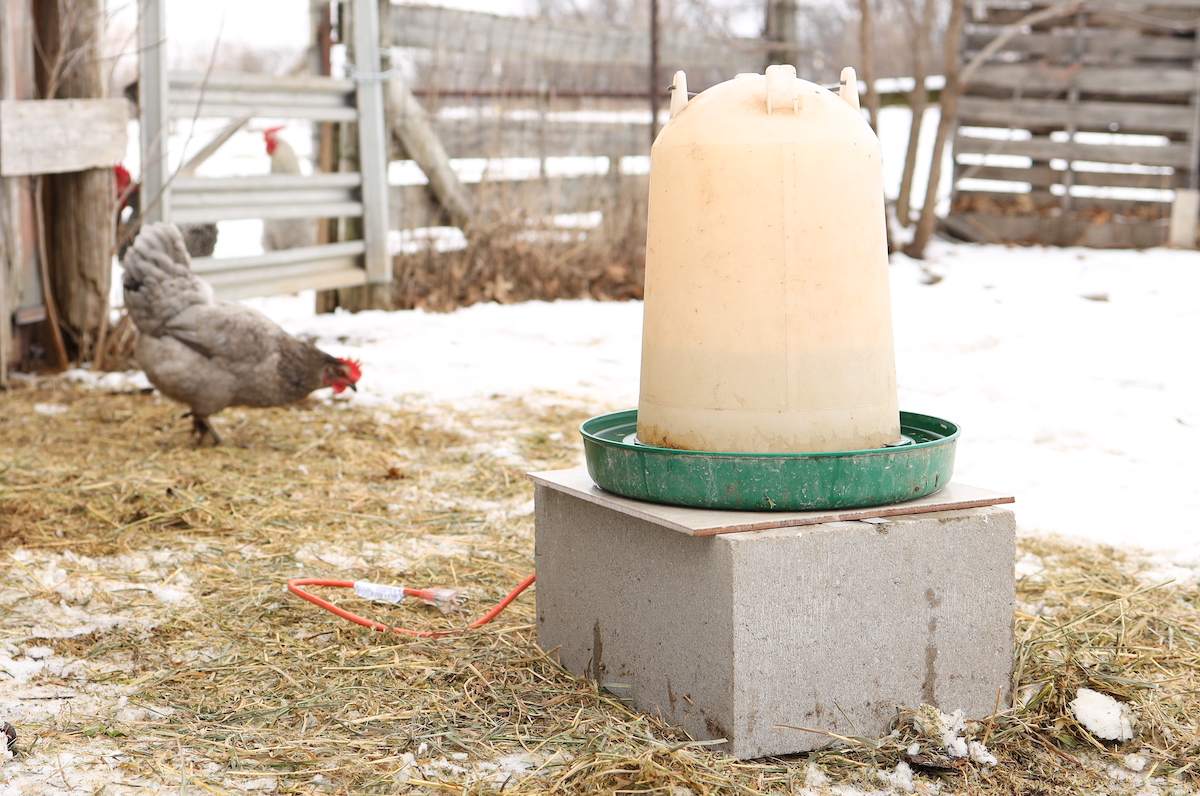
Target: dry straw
(245, 682)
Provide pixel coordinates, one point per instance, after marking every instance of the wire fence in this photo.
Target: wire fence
(549, 123)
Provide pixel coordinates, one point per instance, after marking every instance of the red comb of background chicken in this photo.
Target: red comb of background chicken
(123, 177)
(124, 180)
(271, 136)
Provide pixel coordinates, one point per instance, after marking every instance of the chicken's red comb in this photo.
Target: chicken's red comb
(354, 366)
(270, 132)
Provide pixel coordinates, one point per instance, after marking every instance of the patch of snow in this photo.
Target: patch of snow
(901, 779)
(1102, 716)
(948, 731)
(128, 381)
(1135, 762)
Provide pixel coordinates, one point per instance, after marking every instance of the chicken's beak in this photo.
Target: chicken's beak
(351, 386)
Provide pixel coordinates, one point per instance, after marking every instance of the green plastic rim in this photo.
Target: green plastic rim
(919, 466)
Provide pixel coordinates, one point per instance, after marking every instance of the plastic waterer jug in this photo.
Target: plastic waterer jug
(767, 317)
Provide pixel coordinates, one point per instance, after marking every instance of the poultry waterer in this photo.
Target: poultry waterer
(768, 368)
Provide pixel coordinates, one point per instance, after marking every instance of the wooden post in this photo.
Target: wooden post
(22, 310)
(322, 38)
(781, 27)
(654, 87)
(946, 125)
(866, 43)
(79, 206)
(917, 100)
(1185, 210)
(420, 142)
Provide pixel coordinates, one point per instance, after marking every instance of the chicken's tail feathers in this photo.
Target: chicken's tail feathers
(158, 277)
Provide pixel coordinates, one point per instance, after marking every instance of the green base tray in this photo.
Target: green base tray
(919, 466)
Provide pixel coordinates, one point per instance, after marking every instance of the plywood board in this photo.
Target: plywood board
(56, 136)
(706, 522)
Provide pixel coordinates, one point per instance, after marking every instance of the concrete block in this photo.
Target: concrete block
(828, 626)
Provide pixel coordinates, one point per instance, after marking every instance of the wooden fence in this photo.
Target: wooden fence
(1081, 129)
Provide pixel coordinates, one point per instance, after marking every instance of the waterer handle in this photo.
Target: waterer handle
(781, 88)
(849, 88)
(679, 95)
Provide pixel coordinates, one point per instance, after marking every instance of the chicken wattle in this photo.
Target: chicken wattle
(212, 354)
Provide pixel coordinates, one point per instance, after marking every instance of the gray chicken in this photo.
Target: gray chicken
(212, 354)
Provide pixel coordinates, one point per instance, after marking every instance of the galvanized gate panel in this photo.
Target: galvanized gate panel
(187, 200)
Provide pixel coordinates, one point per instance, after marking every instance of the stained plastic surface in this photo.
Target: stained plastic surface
(767, 322)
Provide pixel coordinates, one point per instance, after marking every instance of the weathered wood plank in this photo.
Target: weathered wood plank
(411, 128)
(1118, 81)
(1100, 47)
(56, 136)
(522, 39)
(1019, 113)
(1044, 177)
(1176, 155)
(1068, 230)
(1143, 210)
(1153, 17)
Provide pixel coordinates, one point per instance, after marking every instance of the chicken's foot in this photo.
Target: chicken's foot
(201, 426)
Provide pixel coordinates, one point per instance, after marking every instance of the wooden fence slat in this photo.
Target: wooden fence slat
(1043, 199)
(1044, 176)
(60, 135)
(1073, 230)
(1121, 81)
(1102, 48)
(1020, 113)
(1175, 155)
(1155, 17)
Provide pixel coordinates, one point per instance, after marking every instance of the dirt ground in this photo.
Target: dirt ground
(148, 645)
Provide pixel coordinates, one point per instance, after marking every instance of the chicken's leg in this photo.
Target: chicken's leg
(202, 426)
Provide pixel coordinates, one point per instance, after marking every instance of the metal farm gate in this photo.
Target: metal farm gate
(358, 194)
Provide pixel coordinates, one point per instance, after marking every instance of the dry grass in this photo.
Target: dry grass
(240, 685)
(510, 258)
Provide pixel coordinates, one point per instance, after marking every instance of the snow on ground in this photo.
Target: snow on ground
(1071, 371)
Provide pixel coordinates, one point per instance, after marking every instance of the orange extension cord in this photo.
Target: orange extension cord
(426, 595)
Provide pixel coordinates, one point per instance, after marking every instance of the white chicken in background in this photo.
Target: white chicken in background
(288, 233)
